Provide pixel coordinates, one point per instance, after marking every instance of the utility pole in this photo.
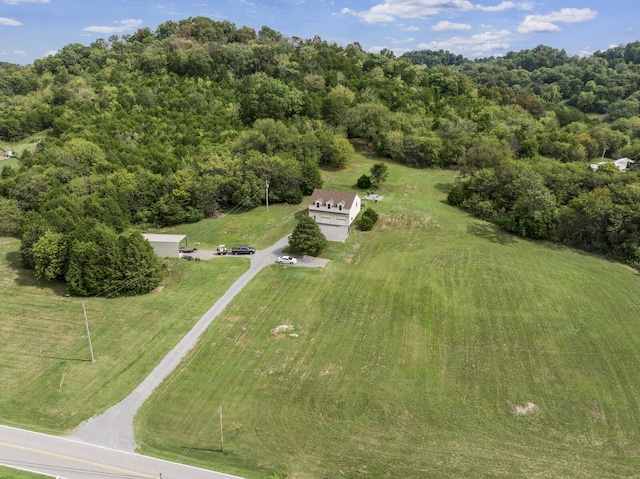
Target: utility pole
(267, 193)
(221, 439)
(86, 323)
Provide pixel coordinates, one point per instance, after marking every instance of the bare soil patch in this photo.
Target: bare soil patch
(522, 410)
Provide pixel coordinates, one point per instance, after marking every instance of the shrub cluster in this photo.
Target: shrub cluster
(368, 219)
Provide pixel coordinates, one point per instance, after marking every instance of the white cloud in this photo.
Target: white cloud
(547, 23)
(19, 52)
(51, 53)
(446, 26)
(9, 22)
(411, 29)
(497, 8)
(392, 9)
(476, 45)
(395, 41)
(18, 2)
(586, 52)
(123, 26)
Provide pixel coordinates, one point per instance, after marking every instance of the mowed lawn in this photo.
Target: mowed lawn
(256, 227)
(48, 380)
(433, 346)
(9, 473)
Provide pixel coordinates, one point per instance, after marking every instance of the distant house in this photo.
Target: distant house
(334, 211)
(622, 164)
(8, 153)
(165, 246)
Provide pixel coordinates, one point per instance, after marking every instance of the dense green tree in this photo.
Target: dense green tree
(307, 237)
(364, 182)
(368, 219)
(112, 265)
(10, 217)
(379, 172)
(534, 211)
(50, 256)
(267, 97)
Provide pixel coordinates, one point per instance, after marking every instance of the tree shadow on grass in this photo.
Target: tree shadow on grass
(443, 187)
(26, 277)
(491, 233)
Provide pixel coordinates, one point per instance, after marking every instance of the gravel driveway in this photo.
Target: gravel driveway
(114, 427)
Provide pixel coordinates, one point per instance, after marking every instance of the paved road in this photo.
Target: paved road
(114, 428)
(65, 458)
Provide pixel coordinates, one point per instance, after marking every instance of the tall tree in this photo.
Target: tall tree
(307, 237)
(379, 173)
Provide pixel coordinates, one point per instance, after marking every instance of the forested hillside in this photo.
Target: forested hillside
(175, 125)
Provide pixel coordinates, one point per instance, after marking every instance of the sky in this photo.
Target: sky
(32, 29)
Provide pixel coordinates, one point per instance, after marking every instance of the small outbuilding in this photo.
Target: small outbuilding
(165, 246)
(8, 153)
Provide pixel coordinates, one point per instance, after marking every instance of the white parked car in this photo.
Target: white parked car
(286, 260)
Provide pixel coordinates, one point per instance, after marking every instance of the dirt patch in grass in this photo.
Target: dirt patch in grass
(282, 328)
(525, 410)
(596, 413)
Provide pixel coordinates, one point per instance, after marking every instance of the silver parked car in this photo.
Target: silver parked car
(286, 260)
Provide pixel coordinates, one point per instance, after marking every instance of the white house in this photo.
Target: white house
(622, 164)
(165, 245)
(8, 153)
(334, 211)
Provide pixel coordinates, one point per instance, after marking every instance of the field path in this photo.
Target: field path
(114, 427)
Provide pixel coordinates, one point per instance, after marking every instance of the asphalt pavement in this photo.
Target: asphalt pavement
(65, 458)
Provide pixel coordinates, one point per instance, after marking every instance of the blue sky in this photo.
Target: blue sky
(31, 29)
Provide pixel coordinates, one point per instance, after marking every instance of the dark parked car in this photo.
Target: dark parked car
(243, 250)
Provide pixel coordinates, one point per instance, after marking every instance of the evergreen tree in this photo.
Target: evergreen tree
(364, 182)
(307, 237)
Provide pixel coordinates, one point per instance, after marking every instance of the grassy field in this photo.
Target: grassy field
(257, 227)
(9, 473)
(418, 349)
(17, 148)
(48, 380)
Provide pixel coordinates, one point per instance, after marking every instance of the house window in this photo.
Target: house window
(328, 207)
(340, 207)
(317, 204)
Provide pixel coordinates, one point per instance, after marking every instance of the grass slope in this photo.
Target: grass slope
(257, 227)
(49, 382)
(10, 473)
(415, 346)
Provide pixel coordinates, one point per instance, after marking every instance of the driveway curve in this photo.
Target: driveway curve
(114, 427)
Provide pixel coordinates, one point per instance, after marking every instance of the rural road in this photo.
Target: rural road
(114, 428)
(65, 458)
